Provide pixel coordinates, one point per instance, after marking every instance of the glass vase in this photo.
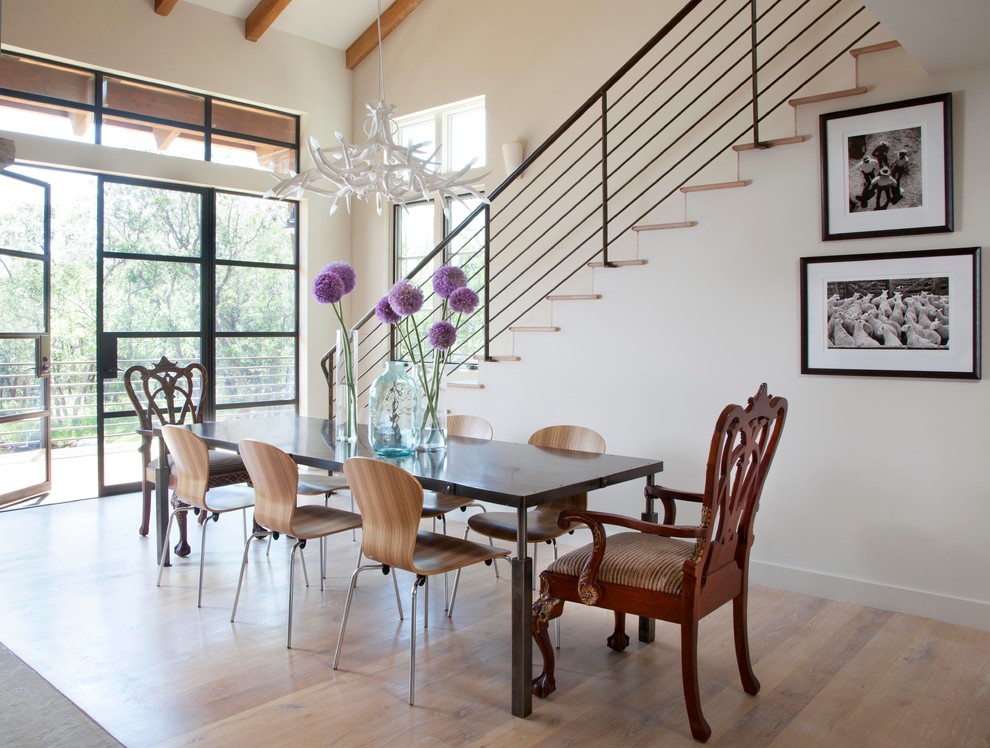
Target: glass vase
(433, 424)
(345, 401)
(394, 412)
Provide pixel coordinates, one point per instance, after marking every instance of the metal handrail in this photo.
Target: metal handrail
(593, 177)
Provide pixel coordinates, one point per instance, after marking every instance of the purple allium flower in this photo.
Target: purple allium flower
(463, 300)
(447, 280)
(442, 335)
(328, 288)
(346, 273)
(406, 298)
(385, 312)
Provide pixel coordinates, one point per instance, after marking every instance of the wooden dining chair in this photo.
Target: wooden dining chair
(391, 504)
(190, 468)
(541, 523)
(669, 572)
(437, 505)
(275, 477)
(171, 394)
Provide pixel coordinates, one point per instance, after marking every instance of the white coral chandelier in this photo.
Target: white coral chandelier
(380, 167)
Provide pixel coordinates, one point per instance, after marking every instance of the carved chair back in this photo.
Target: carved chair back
(166, 394)
(742, 449)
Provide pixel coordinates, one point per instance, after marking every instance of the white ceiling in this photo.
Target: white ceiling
(337, 23)
(941, 35)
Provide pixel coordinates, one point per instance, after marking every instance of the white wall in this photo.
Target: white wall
(878, 493)
(205, 51)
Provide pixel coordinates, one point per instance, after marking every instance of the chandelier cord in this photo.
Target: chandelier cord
(381, 63)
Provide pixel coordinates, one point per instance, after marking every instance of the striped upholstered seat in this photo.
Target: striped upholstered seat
(633, 559)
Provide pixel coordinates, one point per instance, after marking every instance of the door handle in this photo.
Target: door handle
(43, 356)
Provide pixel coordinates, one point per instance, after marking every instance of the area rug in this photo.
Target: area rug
(34, 714)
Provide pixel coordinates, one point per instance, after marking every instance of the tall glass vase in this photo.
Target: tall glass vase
(345, 401)
(433, 425)
(394, 412)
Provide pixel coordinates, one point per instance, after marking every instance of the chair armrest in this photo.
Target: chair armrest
(667, 497)
(588, 589)
(662, 492)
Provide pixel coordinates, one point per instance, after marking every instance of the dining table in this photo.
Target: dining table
(520, 476)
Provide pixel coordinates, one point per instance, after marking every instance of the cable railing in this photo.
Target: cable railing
(708, 80)
(74, 400)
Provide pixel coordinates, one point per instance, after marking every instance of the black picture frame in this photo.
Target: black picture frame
(914, 196)
(947, 280)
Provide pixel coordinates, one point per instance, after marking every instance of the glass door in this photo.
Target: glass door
(151, 296)
(25, 353)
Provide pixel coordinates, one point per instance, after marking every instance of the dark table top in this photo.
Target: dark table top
(500, 472)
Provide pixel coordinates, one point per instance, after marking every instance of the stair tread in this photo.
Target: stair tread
(892, 44)
(466, 385)
(770, 143)
(659, 226)
(617, 263)
(498, 358)
(827, 96)
(717, 186)
(534, 329)
(574, 297)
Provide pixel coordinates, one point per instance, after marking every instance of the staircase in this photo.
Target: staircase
(713, 83)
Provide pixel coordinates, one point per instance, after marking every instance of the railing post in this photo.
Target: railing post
(488, 264)
(605, 178)
(756, 87)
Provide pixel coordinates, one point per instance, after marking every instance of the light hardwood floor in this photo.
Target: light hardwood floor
(81, 607)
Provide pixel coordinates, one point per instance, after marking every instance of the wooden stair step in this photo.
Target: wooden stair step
(869, 49)
(574, 297)
(717, 186)
(534, 329)
(466, 385)
(661, 226)
(770, 143)
(616, 263)
(828, 96)
(498, 358)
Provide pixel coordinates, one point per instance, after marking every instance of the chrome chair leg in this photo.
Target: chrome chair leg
(453, 596)
(347, 610)
(168, 540)
(292, 576)
(412, 643)
(240, 579)
(202, 562)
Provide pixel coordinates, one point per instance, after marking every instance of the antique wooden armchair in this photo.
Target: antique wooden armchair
(674, 572)
(168, 394)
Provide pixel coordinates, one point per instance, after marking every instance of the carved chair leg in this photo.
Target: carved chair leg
(689, 673)
(618, 640)
(544, 609)
(749, 681)
(182, 548)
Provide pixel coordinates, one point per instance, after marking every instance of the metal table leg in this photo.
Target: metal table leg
(647, 626)
(161, 501)
(522, 611)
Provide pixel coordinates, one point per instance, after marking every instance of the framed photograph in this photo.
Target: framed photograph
(887, 169)
(894, 314)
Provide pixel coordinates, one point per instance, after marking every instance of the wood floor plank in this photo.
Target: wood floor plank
(81, 608)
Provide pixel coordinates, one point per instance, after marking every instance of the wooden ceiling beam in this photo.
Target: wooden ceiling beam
(164, 7)
(262, 17)
(367, 43)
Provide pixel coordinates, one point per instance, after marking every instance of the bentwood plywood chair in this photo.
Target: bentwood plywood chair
(275, 477)
(437, 505)
(391, 504)
(191, 468)
(671, 572)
